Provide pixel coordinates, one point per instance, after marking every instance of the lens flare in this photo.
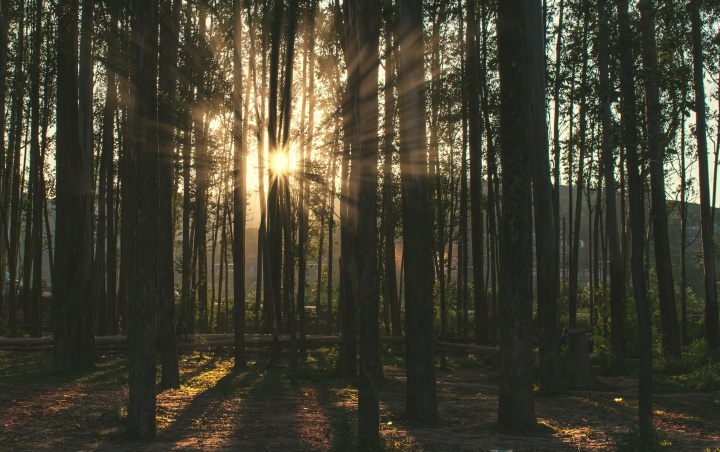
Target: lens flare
(279, 162)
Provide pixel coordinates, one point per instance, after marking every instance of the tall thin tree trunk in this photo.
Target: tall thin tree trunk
(273, 258)
(348, 302)
(712, 329)
(516, 407)
(12, 169)
(637, 224)
(547, 269)
(331, 240)
(144, 289)
(364, 24)
(617, 280)
(168, 72)
(4, 26)
(202, 173)
(421, 401)
(492, 175)
(239, 173)
(557, 85)
(390, 294)
(683, 223)
(476, 189)
(575, 246)
(35, 169)
(188, 304)
(663, 264)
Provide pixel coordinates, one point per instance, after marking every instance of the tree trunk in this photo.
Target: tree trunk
(683, 225)
(12, 188)
(35, 209)
(68, 198)
(617, 280)
(637, 224)
(363, 23)
(348, 302)
(492, 176)
(421, 401)
(516, 407)
(168, 71)
(331, 240)
(239, 172)
(286, 214)
(557, 85)
(4, 25)
(476, 189)
(712, 329)
(547, 270)
(390, 293)
(462, 284)
(273, 258)
(84, 317)
(144, 290)
(188, 305)
(575, 231)
(663, 264)
(202, 171)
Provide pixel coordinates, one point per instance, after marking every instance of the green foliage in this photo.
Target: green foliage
(344, 432)
(697, 370)
(344, 438)
(631, 441)
(323, 360)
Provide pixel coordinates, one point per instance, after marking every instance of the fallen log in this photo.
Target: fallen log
(208, 341)
(468, 349)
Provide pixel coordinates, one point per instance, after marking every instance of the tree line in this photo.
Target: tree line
(449, 126)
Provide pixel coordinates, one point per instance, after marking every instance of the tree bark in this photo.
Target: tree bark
(617, 280)
(575, 230)
(390, 293)
(516, 407)
(68, 222)
(4, 26)
(547, 269)
(557, 85)
(144, 289)
(712, 328)
(421, 401)
(663, 264)
(476, 188)
(202, 173)
(11, 189)
(348, 302)
(363, 21)
(188, 305)
(35, 209)
(637, 224)
(239, 172)
(168, 71)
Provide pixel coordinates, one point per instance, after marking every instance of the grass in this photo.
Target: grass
(37, 368)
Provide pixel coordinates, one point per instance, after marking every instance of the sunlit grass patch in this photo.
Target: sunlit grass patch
(208, 372)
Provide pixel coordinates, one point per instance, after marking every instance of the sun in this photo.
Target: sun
(279, 162)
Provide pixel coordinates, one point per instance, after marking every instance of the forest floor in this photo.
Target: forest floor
(259, 409)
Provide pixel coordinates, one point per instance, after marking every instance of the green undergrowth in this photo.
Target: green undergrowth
(344, 437)
(37, 368)
(632, 441)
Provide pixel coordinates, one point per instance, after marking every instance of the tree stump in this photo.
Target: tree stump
(582, 377)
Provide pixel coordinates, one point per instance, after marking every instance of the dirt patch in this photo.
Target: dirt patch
(259, 409)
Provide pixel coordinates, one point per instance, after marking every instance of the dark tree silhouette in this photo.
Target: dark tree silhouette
(142, 309)
(421, 401)
(516, 407)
